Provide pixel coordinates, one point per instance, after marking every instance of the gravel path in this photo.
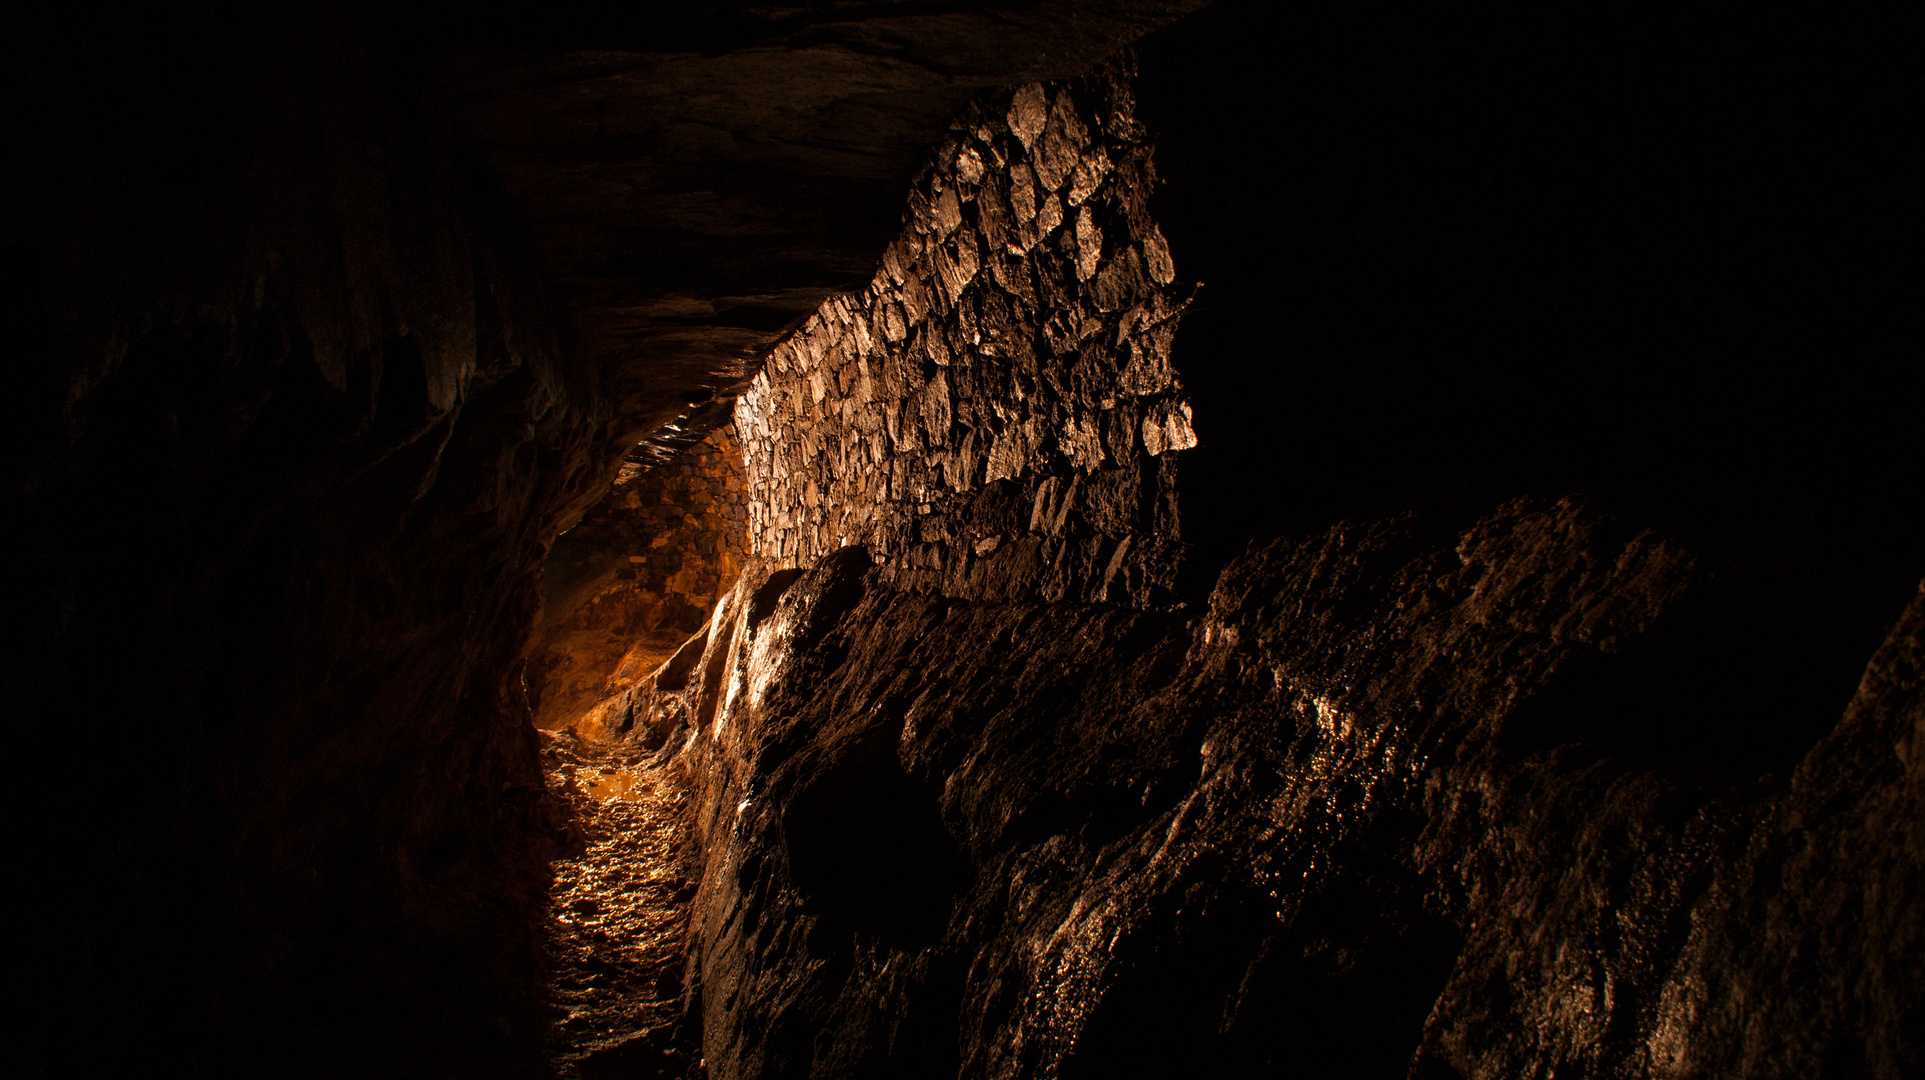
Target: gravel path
(617, 915)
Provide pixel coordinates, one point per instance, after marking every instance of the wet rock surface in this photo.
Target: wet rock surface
(331, 318)
(279, 264)
(1349, 819)
(617, 914)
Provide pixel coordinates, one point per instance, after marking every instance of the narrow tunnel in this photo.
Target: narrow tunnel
(1013, 540)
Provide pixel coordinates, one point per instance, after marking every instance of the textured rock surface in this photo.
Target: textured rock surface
(1371, 812)
(291, 279)
(618, 912)
(702, 176)
(993, 416)
(1408, 798)
(320, 345)
(636, 576)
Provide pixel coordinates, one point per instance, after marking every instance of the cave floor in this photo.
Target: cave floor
(614, 928)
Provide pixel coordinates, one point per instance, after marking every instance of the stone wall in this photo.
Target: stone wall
(995, 414)
(637, 575)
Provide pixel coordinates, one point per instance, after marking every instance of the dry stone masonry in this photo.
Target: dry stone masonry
(995, 415)
(638, 574)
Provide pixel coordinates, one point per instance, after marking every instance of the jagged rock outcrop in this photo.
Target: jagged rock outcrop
(329, 317)
(1368, 813)
(1406, 798)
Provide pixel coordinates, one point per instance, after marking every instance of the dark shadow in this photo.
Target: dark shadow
(868, 851)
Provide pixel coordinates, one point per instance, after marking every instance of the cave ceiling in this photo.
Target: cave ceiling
(698, 180)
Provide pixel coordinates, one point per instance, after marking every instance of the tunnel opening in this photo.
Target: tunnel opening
(625, 587)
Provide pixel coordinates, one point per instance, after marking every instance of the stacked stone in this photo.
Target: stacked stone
(994, 416)
(684, 527)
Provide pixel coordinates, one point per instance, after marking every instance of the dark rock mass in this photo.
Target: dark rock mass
(1235, 540)
(1356, 817)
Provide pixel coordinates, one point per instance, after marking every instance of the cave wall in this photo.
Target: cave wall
(1413, 796)
(292, 427)
(326, 320)
(325, 327)
(626, 586)
(995, 414)
(1390, 806)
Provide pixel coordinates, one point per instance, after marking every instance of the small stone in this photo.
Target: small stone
(1089, 245)
(1088, 177)
(1048, 217)
(969, 166)
(947, 212)
(1022, 193)
(1156, 257)
(1028, 113)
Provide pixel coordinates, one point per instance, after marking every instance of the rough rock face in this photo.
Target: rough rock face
(329, 318)
(1373, 811)
(304, 396)
(701, 176)
(636, 576)
(993, 415)
(1406, 798)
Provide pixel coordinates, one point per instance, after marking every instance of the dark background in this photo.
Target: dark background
(1660, 257)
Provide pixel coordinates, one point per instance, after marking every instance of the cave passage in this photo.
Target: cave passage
(1073, 538)
(962, 554)
(624, 589)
